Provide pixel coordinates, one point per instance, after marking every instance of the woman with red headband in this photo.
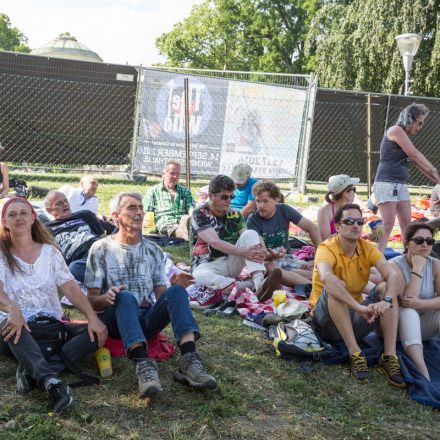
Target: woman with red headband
(31, 270)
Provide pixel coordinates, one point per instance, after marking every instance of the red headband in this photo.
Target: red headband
(16, 199)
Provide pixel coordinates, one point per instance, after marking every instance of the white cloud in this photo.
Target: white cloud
(120, 31)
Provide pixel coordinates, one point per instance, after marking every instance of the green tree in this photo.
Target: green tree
(265, 35)
(10, 37)
(353, 46)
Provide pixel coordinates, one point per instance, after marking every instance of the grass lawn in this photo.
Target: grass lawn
(259, 395)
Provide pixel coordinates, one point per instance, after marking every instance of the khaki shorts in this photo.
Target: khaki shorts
(327, 328)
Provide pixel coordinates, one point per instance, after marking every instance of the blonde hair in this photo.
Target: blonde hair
(40, 234)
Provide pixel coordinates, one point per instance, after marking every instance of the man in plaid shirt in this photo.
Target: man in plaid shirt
(171, 203)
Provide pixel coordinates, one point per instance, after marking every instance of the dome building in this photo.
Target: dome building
(68, 47)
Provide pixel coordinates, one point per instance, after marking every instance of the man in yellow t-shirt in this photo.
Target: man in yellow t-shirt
(342, 268)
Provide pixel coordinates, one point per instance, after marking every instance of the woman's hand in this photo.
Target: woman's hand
(411, 302)
(97, 327)
(14, 325)
(418, 263)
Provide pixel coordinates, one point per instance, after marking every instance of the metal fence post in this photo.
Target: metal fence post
(136, 119)
(369, 144)
(187, 155)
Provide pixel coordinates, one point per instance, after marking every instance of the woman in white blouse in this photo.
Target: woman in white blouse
(31, 271)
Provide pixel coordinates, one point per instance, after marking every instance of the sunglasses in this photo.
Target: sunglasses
(226, 197)
(421, 240)
(350, 221)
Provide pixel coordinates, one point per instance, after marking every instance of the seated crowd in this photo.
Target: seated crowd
(127, 297)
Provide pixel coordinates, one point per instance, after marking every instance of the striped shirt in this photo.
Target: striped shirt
(158, 200)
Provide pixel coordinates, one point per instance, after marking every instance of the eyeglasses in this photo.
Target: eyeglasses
(226, 197)
(350, 221)
(421, 240)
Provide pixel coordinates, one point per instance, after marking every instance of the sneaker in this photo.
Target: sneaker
(359, 367)
(270, 283)
(61, 394)
(193, 373)
(389, 366)
(25, 383)
(213, 301)
(148, 375)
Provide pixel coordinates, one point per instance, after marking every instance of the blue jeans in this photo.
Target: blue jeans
(78, 269)
(127, 321)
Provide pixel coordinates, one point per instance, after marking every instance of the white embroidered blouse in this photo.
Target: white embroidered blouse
(35, 288)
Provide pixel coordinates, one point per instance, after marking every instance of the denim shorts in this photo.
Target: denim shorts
(326, 327)
(390, 192)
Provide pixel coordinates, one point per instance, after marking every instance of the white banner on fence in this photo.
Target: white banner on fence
(230, 122)
(262, 128)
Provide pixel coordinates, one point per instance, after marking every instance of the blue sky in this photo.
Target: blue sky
(120, 31)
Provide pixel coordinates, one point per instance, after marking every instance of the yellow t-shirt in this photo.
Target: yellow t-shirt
(354, 271)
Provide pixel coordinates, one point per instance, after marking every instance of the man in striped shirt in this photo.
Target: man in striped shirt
(171, 203)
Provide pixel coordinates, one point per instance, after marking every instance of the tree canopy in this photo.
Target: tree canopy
(10, 37)
(350, 44)
(265, 35)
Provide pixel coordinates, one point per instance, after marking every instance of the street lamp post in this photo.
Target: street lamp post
(408, 46)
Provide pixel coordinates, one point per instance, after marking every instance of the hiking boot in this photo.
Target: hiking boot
(359, 367)
(389, 366)
(193, 373)
(25, 383)
(148, 375)
(61, 394)
(270, 283)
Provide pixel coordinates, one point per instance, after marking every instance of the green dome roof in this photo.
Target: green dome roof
(67, 46)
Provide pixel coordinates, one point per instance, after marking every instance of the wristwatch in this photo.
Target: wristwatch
(388, 299)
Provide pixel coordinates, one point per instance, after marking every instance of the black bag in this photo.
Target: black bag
(20, 187)
(51, 334)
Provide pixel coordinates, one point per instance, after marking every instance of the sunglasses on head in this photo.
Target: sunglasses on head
(421, 240)
(226, 197)
(350, 221)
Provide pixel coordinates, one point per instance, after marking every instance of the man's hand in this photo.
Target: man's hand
(110, 296)
(95, 326)
(367, 312)
(183, 279)
(411, 302)
(381, 307)
(14, 325)
(418, 263)
(273, 254)
(256, 253)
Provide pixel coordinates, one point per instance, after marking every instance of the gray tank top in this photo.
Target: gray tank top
(393, 163)
(427, 288)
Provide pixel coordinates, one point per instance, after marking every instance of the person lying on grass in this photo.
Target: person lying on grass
(342, 268)
(271, 220)
(126, 284)
(31, 270)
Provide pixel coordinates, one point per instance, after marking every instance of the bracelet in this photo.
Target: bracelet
(417, 274)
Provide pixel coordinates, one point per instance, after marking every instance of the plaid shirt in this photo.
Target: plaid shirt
(158, 200)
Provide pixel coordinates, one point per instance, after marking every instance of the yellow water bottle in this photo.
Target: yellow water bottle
(104, 361)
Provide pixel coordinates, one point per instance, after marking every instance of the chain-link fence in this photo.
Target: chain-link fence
(62, 116)
(345, 122)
